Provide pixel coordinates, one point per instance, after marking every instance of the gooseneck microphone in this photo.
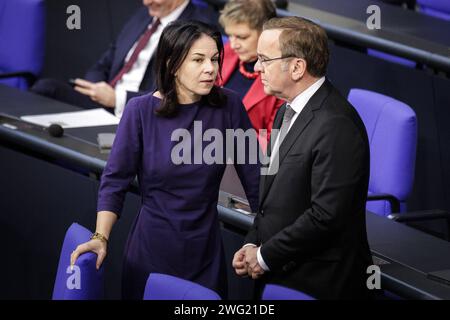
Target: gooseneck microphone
(55, 130)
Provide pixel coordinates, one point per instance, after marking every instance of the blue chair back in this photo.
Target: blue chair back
(436, 8)
(84, 282)
(22, 32)
(277, 292)
(392, 130)
(165, 287)
(391, 58)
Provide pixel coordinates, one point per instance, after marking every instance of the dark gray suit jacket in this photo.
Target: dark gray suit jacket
(311, 221)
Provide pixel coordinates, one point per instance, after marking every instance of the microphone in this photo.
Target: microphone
(55, 130)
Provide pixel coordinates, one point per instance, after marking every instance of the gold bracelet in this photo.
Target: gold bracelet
(99, 236)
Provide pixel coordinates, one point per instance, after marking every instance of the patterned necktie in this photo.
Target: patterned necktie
(287, 117)
(140, 45)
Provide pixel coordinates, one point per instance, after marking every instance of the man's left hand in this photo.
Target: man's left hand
(254, 270)
(100, 92)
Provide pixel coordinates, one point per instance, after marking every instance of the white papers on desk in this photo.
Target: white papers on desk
(77, 119)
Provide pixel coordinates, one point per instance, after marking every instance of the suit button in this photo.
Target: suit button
(262, 212)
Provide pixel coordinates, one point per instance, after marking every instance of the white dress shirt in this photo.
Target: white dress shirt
(297, 104)
(131, 80)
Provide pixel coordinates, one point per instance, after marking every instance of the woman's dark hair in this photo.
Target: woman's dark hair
(176, 40)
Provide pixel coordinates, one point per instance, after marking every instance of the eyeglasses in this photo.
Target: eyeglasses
(262, 60)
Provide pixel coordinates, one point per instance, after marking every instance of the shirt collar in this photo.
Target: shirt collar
(302, 99)
(174, 14)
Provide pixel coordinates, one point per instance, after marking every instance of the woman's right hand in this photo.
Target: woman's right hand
(97, 246)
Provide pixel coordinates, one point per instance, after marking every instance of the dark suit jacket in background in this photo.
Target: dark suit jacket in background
(311, 222)
(113, 59)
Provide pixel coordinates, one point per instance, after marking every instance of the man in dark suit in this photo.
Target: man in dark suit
(310, 231)
(126, 68)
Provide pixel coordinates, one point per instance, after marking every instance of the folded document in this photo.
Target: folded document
(77, 119)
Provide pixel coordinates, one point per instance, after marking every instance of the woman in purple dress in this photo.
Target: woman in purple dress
(166, 139)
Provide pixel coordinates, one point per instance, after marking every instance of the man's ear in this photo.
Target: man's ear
(298, 68)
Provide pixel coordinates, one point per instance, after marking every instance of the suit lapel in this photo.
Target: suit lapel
(129, 41)
(188, 12)
(303, 120)
(276, 125)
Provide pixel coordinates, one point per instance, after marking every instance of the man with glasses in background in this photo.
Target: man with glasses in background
(126, 69)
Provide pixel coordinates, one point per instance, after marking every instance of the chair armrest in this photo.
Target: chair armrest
(29, 77)
(393, 201)
(425, 215)
(239, 204)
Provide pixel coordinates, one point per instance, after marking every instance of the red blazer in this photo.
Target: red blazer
(260, 107)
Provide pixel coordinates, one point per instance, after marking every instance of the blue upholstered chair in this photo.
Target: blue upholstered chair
(84, 282)
(391, 58)
(277, 292)
(392, 130)
(165, 287)
(22, 32)
(436, 8)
